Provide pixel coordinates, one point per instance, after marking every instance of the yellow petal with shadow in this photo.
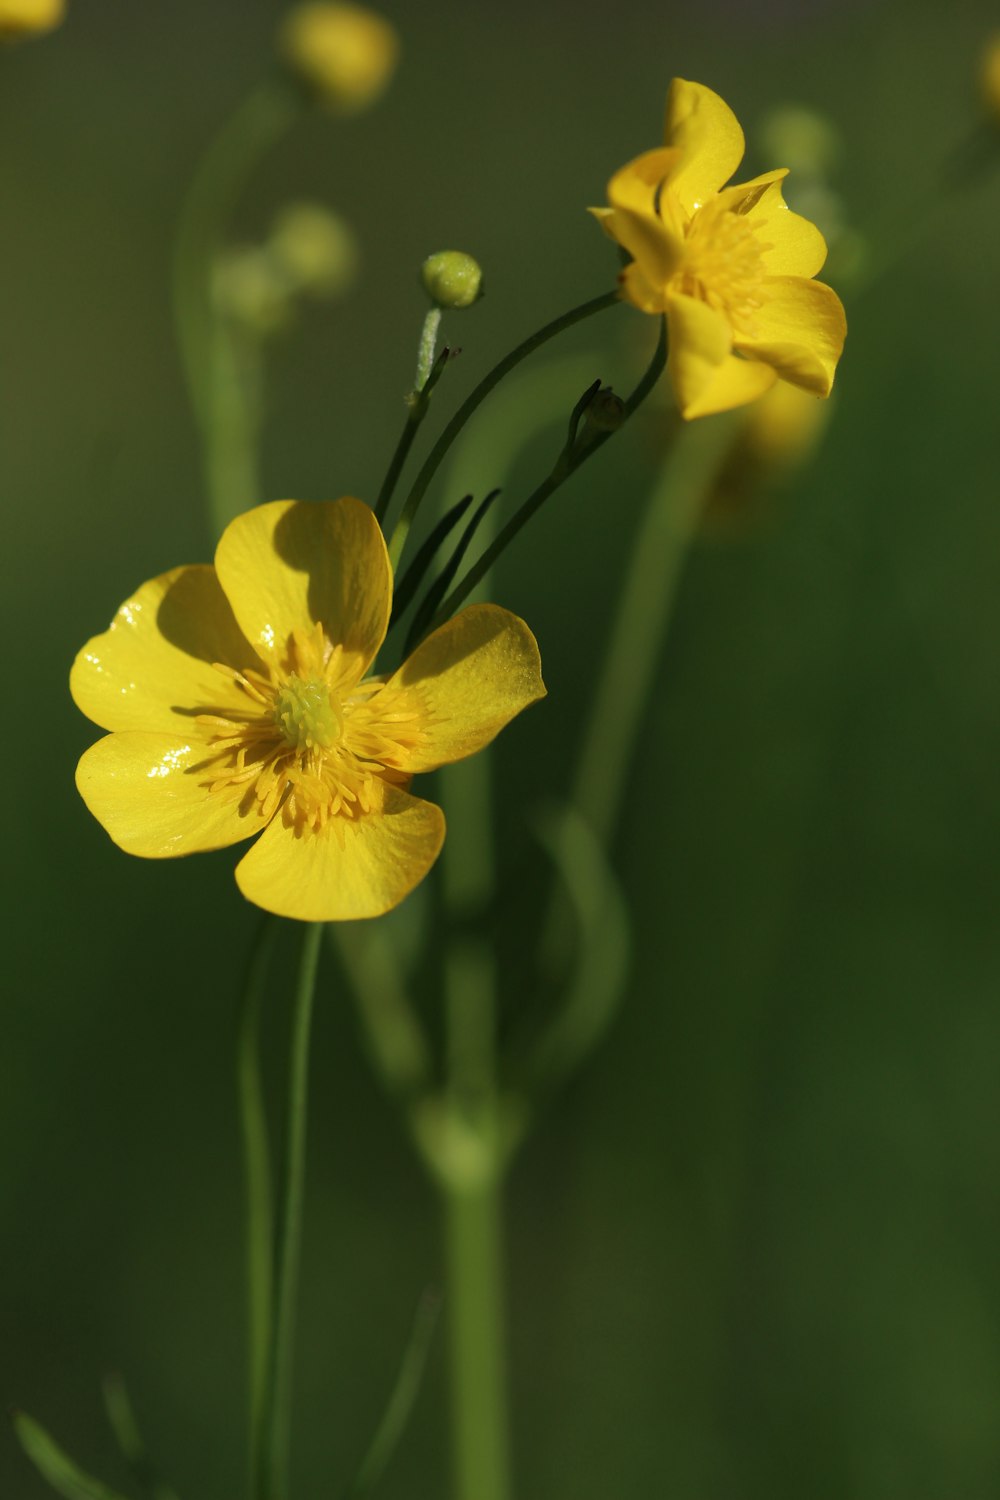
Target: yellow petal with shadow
(352, 868)
(466, 681)
(709, 139)
(790, 244)
(152, 669)
(640, 220)
(706, 376)
(286, 565)
(151, 794)
(800, 330)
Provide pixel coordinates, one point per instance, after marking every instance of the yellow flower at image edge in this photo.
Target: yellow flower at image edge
(346, 53)
(20, 18)
(730, 267)
(238, 704)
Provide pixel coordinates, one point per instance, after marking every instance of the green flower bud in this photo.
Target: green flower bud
(605, 412)
(250, 289)
(315, 248)
(452, 279)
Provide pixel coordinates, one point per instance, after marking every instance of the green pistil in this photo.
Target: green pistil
(306, 715)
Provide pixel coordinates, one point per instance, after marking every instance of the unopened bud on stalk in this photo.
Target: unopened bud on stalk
(23, 18)
(605, 412)
(248, 288)
(345, 54)
(452, 279)
(989, 77)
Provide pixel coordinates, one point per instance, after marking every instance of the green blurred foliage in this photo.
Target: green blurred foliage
(753, 1251)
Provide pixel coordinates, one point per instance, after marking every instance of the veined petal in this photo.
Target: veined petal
(799, 330)
(151, 793)
(709, 138)
(287, 565)
(790, 244)
(152, 669)
(350, 868)
(467, 681)
(703, 371)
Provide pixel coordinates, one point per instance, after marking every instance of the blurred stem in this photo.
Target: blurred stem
(231, 435)
(645, 605)
(473, 400)
(278, 1390)
(257, 1171)
(257, 124)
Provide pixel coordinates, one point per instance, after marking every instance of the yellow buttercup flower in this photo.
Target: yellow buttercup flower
(29, 17)
(731, 267)
(346, 53)
(238, 704)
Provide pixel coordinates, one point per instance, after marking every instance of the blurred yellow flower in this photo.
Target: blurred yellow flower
(731, 267)
(29, 17)
(990, 76)
(346, 53)
(238, 704)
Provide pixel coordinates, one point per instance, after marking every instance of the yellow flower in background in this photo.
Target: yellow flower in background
(20, 18)
(731, 267)
(238, 704)
(346, 53)
(990, 76)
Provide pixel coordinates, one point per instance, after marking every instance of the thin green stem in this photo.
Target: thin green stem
(473, 400)
(289, 1232)
(256, 124)
(257, 1171)
(568, 462)
(645, 605)
(428, 346)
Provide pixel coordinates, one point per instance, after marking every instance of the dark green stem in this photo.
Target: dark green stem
(417, 403)
(472, 401)
(289, 1236)
(571, 458)
(257, 1170)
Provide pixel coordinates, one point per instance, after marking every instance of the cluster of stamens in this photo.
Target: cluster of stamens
(723, 265)
(312, 740)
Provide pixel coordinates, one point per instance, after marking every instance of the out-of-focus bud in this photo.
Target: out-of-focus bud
(605, 412)
(316, 249)
(345, 54)
(452, 279)
(989, 76)
(21, 18)
(251, 290)
(805, 142)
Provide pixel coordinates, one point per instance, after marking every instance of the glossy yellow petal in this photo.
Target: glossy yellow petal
(466, 681)
(709, 139)
(351, 868)
(790, 244)
(705, 375)
(152, 669)
(641, 220)
(151, 793)
(637, 290)
(290, 564)
(799, 330)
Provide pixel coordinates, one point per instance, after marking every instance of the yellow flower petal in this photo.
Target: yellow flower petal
(153, 667)
(799, 330)
(468, 680)
(290, 564)
(150, 792)
(710, 140)
(351, 868)
(704, 373)
(637, 219)
(791, 245)
(637, 290)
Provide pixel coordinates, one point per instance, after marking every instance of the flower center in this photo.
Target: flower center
(723, 265)
(306, 714)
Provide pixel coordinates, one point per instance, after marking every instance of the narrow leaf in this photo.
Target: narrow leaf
(65, 1477)
(414, 575)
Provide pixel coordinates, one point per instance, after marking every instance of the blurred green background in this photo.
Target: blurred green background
(753, 1251)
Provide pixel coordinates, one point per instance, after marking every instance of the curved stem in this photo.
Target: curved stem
(568, 462)
(256, 124)
(473, 400)
(279, 1384)
(256, 1163)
